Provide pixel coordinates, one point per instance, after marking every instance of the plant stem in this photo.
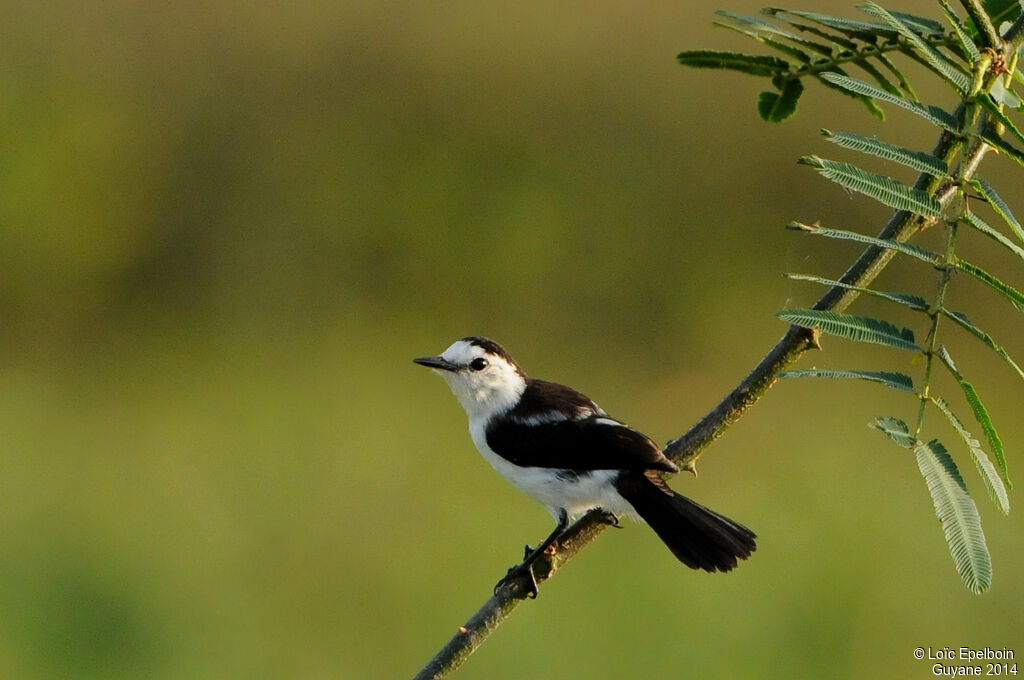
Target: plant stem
(972, 115)
(946, 271)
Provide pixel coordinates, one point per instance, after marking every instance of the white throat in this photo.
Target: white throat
(484, 399)
(487, 392)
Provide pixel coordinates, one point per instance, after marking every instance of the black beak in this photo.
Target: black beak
(436, 362)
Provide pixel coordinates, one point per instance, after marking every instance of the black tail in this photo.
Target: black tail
(699, 537)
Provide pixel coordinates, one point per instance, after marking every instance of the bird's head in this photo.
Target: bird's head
(484, 377)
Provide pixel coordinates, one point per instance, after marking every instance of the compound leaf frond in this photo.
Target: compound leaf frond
(997, 203)
(916, 252)
(913, 301)
(897, 381)
(933, 114)
(911, 27)
(895, 429)
(957, 513)
(850, 327)
(980, 414)
(1015, 297)
(983, 226)
(989, 476)
(756, 65)
(961, 319)
(916, 160)
(883, 189)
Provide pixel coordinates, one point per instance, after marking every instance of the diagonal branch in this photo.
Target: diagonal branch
(500, 605)
(686, 449)
(901, 226)
(983, 22)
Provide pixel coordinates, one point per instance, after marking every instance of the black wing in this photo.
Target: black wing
(542, 397)
(592, 443)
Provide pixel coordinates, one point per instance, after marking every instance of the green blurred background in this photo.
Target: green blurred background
(225, 230)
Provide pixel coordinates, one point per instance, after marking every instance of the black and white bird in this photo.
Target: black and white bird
(562, 449)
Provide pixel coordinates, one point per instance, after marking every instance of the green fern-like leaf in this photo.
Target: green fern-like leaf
(992, 107)
(989, 231)
(745, 26)
(933, 114)
(919, 24)
(758, 28)
(776, 107)
(916, 252)
(838, 41)
(907, 29)
(1015, 297)
(965, 323)
(850, 327)
(896, 430)
(958, 515)
(964, 40)
(755, 65)
(913, 301)
(897, 381)
(872, 107)
(998, 204)
(1000, 144)
(980, 414)
(916, 160)
(884, 189)
(989, 475)
(868, 31)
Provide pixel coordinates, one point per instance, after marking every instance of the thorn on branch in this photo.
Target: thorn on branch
(814, 341)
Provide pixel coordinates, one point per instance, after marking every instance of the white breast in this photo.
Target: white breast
(575, 494)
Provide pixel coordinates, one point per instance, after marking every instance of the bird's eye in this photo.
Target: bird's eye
(478, 364)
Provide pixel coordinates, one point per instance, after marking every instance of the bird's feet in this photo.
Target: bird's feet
(515, 577)
(524, 570)
(613, 520)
